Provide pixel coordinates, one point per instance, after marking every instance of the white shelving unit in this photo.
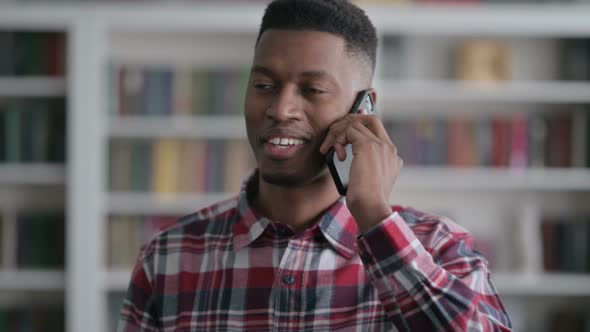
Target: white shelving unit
(220, 127)
(32, 87)
(492, 200)
(32, 174)
(510, 92)
(32, 280)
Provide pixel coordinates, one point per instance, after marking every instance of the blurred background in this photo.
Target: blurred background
(116, 117)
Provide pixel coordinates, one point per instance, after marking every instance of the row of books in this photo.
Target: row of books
(566, 245)
(492, 60)
(572, 320)
(32, 53)
(126, 235)
(174, 165)
(558, 139)
(50, 319)
(178, 91)
(40, 240)
(32, 130)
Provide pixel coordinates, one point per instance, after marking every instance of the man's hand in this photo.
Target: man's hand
(375, 166)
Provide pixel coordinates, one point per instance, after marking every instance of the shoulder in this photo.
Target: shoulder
(214, 221)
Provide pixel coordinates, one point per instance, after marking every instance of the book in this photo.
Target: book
(238, 163)
(157, 98)
(40, 132)
(200, 89)
(7, 55)
(133, 86)
(192, 166)
(141, 166)
(58, 133)
(29, 51)
(33, 318)
(500, 141)
(483, 61)
(559, 140)
(576, 59)
(537, 140)
(462, 143)
(569, 321)
(12, 131)
(40, 240)
(56, 54)
(166, 166)
(519, 142)
(549, 245)
(120, 161)
(579, 147)
(26, 131)
(182, 89)
(483, 131)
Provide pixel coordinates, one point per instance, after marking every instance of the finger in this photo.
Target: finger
(334, 131)
(340, 151)
(359, 132)
(374, 124)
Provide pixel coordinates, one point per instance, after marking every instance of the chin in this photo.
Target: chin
(292, 179)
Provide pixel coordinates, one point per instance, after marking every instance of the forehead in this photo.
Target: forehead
(299, 51)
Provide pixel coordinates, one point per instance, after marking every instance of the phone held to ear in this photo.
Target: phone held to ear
(340, 170)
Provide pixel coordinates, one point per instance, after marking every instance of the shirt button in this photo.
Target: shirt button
(288, 279)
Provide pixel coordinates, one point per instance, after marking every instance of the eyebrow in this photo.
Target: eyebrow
(310, 74)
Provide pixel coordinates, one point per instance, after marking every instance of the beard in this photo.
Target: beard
(284, 180)
(312, 174)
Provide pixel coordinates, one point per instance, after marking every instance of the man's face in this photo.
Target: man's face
(301, 82)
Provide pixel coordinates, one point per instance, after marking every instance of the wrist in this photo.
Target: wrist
(367, 216)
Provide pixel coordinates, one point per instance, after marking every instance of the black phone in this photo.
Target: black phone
(340, 170)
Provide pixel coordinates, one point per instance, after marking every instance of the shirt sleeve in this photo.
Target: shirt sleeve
(138, 312)
(435, 283)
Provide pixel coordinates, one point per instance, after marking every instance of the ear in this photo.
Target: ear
(373, 93)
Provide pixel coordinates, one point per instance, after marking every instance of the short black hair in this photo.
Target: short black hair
(339, 17)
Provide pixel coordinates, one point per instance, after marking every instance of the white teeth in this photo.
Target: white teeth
(284, 141)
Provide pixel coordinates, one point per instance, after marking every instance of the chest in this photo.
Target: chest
(269, 286)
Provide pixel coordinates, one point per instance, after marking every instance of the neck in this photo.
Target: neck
(297, 207)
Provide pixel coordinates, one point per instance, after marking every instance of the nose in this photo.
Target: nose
(286, 105)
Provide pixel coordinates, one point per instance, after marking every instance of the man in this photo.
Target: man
(290, 254)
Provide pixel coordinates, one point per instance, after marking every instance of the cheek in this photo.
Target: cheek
(322, 120)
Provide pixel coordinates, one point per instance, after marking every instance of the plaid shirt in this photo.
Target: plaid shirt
(225, 268)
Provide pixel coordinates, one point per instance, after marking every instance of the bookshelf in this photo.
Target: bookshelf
(32, 175)
(501, 205)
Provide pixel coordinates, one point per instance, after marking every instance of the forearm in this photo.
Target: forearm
(418, 293)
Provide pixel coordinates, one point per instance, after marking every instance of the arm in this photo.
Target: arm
(138, 312)
(443, 287)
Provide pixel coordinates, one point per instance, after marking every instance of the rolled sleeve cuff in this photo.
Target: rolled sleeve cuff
(391, 245)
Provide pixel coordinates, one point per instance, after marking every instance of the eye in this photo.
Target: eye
(314, 91)
(263, 86)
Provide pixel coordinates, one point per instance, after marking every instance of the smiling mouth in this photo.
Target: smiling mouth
(284, 142)
(282, 147)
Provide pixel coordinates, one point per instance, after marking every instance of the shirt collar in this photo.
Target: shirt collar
(336, 223)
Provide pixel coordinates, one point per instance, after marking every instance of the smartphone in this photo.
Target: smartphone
(340, 170)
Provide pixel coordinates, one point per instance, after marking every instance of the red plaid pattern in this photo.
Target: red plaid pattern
(225, 268)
